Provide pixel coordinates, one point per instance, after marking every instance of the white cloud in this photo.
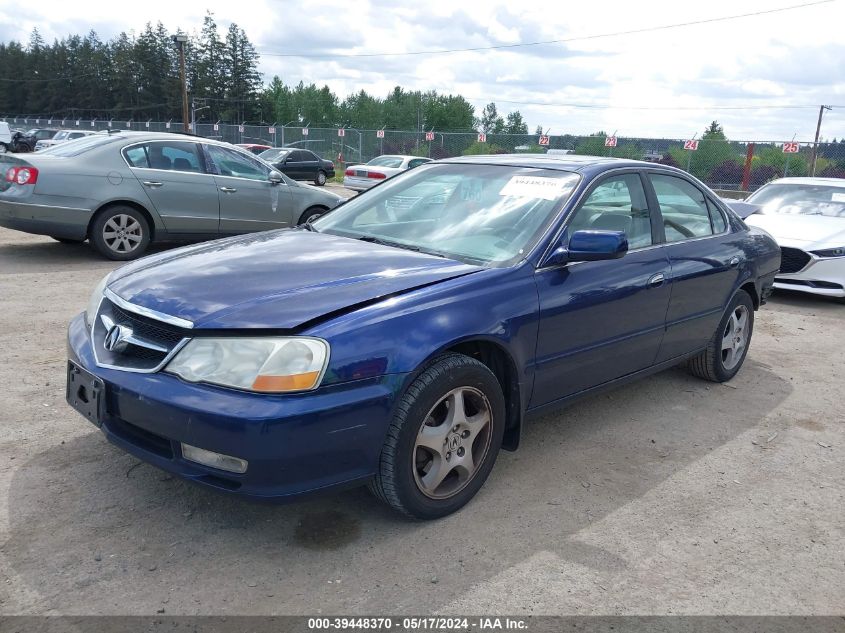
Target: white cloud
(793, 57)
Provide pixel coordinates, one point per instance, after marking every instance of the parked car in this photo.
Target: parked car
(299, 164)
(61, 137)
(807, 218)
(405, 351)
(362, 177)
(124, 190)
(254, 148)
(18, 141)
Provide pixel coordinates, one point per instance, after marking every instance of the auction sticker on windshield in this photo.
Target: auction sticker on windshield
(536, 187)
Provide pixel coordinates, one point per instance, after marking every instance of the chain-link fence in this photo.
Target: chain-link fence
(722, 164)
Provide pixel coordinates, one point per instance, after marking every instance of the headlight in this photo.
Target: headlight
(831, 252)
(94, 301)
(267, 364)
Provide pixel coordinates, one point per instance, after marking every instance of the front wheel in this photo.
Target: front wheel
(726, 351)
(320, 180)
(443, 440)
(311, 214)
(120, 233)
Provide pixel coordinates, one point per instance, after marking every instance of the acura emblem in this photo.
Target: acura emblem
(117, 338)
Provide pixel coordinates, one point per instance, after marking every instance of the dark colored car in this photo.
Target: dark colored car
(405, 337)
(300, 164)
(31, 137)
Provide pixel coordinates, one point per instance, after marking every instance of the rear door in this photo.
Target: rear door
(248, 200)
(175, 178)
(602, 320)
(705, 259)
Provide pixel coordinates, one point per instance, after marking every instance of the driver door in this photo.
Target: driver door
(602, 320)
(248, 200)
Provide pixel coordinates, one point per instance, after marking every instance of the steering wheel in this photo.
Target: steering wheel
(680, 228)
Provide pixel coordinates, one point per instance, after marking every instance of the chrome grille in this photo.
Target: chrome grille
(792, 260)
(147, 344)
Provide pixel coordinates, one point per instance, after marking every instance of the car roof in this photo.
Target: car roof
(402, 156)
(830, 182)
(561, 162)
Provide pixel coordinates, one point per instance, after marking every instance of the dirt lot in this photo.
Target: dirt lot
(668, 496)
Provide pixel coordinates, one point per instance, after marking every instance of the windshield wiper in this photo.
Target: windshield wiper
(378, 240)
(310, 227)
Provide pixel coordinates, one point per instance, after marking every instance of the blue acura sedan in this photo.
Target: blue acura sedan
(403, 339)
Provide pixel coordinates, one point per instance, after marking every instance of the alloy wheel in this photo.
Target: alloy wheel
(735, 337)
(452, 443)
(122, 233)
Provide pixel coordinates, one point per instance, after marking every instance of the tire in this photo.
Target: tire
(310, 214)
(67, 240)
(422, 477)
(134, 240)
(726, 351)
(320, 179)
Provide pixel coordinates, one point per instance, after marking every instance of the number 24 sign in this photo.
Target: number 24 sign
(691, 145)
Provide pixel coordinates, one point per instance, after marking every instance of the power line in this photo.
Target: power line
(599, 106)
(582, 38)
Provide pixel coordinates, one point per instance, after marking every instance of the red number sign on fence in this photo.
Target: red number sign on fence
(429, 136)
(691, 145)
(341, 132)
(544, 140)
(610, 141)
(305, 131)
(241, 129)
(791, 147)
(379, 133)
(271, 130)
(482, 137)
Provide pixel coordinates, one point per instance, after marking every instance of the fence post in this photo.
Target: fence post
(746, 170)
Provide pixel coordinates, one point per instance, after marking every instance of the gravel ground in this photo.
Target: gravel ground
(670, 495)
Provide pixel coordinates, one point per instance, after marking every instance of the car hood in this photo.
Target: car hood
(278, 279)
(802, 231)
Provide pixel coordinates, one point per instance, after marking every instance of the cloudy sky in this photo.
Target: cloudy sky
(668, 82)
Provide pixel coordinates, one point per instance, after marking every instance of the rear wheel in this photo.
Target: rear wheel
(443, 440)
(311, 214)
(727, 349)
(120, 233)
(320, 180)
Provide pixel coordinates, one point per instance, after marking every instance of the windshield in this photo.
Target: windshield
(788, 199)
(60, 136)
(386, 161)
(487, 214)
(80, 145)
(274, 154)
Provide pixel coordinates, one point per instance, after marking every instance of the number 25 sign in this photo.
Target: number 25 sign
(790, 147)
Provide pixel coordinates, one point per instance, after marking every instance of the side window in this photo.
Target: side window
(137, 156)
(296, 156)
(229, 162)
(309, 156)
(617, 204)
(717, 219)
(416, 162)
(683, 206)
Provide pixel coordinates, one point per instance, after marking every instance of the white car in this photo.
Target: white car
(362, 177)
(806, 216)
(62, 136)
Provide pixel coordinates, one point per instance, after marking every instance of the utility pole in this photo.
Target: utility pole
(822, 108)
(179, 42)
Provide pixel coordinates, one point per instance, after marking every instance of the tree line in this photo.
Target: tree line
(136, 76)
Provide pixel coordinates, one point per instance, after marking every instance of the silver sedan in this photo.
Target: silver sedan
(124, 190)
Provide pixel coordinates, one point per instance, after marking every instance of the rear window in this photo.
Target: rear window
(386, 161)
(80, 146)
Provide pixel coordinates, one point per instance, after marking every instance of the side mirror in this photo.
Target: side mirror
(590, 246)
(275, 178)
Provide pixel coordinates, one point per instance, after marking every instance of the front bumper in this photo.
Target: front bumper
(295, 444)
(821, 276)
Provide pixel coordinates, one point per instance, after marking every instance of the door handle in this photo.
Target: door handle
(655, 281)
(734, 262)
(154, 184)
(228, 189)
